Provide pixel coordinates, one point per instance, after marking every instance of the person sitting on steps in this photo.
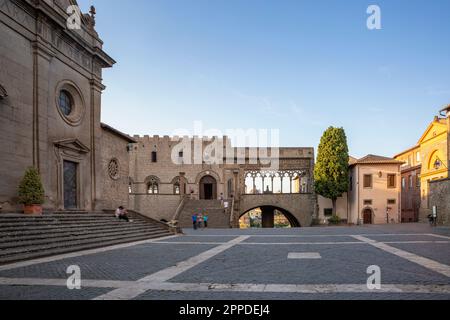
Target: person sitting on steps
(122, 214)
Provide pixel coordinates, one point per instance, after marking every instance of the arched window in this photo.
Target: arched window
(130, 186)
(278, 182)
(176, 182)
(176, 188)
(152, 185)
(435, 162)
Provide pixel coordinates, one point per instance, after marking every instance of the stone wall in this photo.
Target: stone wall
(158, 207)
(165, 170)
(440, 197)
(16, 134)
(114, 186)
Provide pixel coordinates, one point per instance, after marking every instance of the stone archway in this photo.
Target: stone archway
(208, 188)
(268, 214)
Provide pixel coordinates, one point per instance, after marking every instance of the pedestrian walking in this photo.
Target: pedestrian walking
(205, 220)
(200, 221)
(194, 221)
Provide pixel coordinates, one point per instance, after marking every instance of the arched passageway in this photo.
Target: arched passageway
(208, 188)
(268, 217)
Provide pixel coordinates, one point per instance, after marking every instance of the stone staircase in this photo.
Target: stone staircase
(28, 237)
(218, 218)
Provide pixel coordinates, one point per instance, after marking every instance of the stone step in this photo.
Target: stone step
(72, 243)
(56, 231)
(69, 233)
(56, 216)
(217, 219)
(13, 222)
(16, 243)
(24, 237)
(64, 250)
(28, 226)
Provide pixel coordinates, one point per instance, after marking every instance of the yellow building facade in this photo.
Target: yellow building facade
(430, 155)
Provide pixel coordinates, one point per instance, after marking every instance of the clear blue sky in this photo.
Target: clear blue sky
(297, 66)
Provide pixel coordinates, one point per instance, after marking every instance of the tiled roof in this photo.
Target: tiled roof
(118, 133)
(352, 160)
(374, 159)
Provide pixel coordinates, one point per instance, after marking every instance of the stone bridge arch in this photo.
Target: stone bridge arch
(298, 208)
(268, 216)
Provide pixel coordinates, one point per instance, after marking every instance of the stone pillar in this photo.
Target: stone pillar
(96, 89)
(42, 152)
(236, 196)
(182, 184)
(268, 218)
(236, 191)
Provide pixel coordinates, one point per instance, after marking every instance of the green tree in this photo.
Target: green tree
(331, 169)
(31, 190)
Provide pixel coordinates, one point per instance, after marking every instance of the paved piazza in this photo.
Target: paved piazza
(310, 263)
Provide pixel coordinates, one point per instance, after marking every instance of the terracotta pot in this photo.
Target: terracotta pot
(33, 209)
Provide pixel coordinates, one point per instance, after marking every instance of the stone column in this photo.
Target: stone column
(236, 195)
(96, 88)
(268, 217)
(182, 184)
(42, 96)
(236, 190)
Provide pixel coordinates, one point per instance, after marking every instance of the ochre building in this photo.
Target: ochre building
(424, 163)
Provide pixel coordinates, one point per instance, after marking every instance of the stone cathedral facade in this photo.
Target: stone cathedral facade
(50, 107)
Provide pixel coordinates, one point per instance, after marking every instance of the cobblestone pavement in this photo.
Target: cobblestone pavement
(414, 260)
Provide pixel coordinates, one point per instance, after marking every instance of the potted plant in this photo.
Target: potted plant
(31, 192)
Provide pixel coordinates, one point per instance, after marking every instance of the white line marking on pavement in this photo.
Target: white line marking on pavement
(78, 254)
(262, 243)
(424, 262)
(306, 235)
(304, 255)
(63, 283)
(438, 236)
(292, 288)
(243, 287)
(299, 243)
(416, 242)
(142, 285)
